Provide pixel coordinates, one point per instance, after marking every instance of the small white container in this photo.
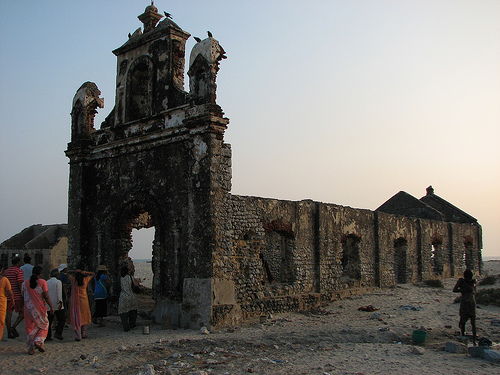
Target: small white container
(145, 330)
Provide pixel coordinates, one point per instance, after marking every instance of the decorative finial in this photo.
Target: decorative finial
(150, 17)
(430, 190)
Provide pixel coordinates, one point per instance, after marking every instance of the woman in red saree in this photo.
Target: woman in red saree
(36, 298)
(79, 308)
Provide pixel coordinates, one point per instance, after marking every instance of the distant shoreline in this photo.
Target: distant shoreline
(485, 259)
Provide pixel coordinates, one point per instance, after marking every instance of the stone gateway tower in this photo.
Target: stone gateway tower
(159, 160)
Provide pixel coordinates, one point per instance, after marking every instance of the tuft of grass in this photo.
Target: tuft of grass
(434, 283)
(488, 280)
(490, 296)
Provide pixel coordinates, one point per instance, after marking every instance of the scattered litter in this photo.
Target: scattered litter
(418, 350)
(491, 355)
(483, 341)
(411, 307)
(318, 311)
(368, 308)
(455, 347)
(477, 351)
(278, 361)
(148, 370)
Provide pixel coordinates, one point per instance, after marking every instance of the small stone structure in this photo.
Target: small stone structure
(47, 245)
(159, 159)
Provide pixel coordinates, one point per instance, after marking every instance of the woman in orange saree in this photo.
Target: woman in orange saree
(79, 308)
(5, 294)
(36, 298)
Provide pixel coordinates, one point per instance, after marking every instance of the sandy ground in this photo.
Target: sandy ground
(337, 339)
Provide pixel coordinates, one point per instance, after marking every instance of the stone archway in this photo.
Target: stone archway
(136, 214)
(468, 258)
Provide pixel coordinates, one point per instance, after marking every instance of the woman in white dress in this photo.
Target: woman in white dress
(127, 304)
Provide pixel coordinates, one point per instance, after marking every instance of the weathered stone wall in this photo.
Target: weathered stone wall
(466, 237)
(39, 257)
(47, 245)
(436, 250)
(398, 233)
(284, 255)
(348, 236)
(169, 175)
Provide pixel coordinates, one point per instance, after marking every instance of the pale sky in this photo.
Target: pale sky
(345, 102)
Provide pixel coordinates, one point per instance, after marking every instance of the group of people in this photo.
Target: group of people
(39, 302)
(63, 295)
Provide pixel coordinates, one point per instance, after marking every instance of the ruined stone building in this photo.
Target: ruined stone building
(47, 245)
(159, 160)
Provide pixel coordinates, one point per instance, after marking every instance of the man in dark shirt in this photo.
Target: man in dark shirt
(63, 276)
(467, 286)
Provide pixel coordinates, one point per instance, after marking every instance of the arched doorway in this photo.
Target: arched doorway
(141, 254)
(136, 216)
(351, 260)
(140, 86)
(437, 256)
(468, 253)
(277, 257)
